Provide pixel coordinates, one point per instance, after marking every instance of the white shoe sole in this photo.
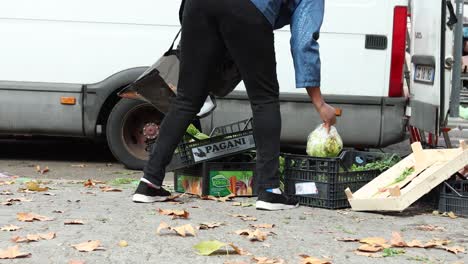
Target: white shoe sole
(140, 198)
(261, 205)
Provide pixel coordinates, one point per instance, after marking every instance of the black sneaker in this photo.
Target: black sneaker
(146, 194)
(274, 202)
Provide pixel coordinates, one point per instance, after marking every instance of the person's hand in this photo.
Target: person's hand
(328, 115)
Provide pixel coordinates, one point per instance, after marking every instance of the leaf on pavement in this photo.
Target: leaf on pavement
(312, 260)
(205, 226)
(5, 192)
(180, 230)
(42, 171)
(30, 217)
(373, 241)
(220, 199)
(454, 250)
(415, 244)
(35, 187)
(89, 183)
(255, 235)
(109, 189)
(76, 262)
(367, 254)
(6, 183)
(266, 226)
(370, 248)
(78, 165)
(19, 200)
(397, 240)
(33, 237)
(249, 219)
(123, 243)
(89, 246)
(10, 228)
(430, 228)
(57, 211)
(175, 213)
(265, 260)
(12, 253)
(347, 239)
(451, 215)
(74, 222)
(436, 243)
(206, 248)
(239, 250)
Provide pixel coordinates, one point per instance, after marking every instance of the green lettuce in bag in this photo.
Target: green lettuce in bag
(324, 144)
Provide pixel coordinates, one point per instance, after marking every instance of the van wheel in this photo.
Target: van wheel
(128, 126)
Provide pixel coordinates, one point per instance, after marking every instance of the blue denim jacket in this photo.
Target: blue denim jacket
(305, 18)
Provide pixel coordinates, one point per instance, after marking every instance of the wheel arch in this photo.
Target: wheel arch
(101, 97)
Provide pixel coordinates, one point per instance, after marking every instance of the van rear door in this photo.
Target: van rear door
(430, 47)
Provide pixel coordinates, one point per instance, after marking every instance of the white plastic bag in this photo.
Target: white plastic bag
(322, 144)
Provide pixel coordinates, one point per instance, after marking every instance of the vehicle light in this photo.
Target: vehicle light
(67, 100)
(398, 51)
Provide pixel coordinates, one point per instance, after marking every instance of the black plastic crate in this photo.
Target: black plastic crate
(217, 179)
(224, 141)
(454, 197)
(331, 176)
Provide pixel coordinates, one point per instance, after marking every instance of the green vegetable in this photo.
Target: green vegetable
(391, 252)
(380, 165)
(324, 144)
(192, 130)
(407, 172)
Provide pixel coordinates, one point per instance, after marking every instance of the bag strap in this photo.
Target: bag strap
(169, 51)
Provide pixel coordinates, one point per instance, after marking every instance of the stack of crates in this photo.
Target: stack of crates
(214, 166)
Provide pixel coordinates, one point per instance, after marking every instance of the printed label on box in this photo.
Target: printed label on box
(306, 188)
(223, 183)
(223, 148)
(189, 184)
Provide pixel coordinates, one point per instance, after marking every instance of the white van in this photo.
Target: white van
(62, 63)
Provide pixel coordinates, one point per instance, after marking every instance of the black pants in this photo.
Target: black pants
(210, 28)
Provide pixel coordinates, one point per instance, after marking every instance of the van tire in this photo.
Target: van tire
(124, 131)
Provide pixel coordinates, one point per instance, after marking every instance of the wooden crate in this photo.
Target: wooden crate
(431, 168)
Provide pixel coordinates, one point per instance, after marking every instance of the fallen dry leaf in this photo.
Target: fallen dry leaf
(74, 222)
(123, 243)
(57, 211)
(175, 213)
(451, 215)
(89, 246)
(370, 248)
(311, 260)
(33, 237)
(239, 250)
(373, 241)
(78, 165)
(42, 171)
(35, 187)
(109, 189)
(89, 183)
(220, 199)
(30, 217)
(19, 200)
(415, 244)
(454, 250)
(265, 260)
(204, 226)
(397, 240)
(12, 253)
(430, 228)
(436, 243)
(367, 254)
(10, 228)
(49, 194)
(263, 226)
(180, 230)
(76, 262)
(255, 235)
(347, 239)
(249, 219)
(6, 192)
(7, 182)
